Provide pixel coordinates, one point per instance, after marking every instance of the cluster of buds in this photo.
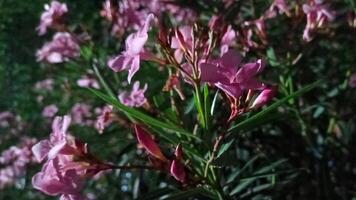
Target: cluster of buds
(174, 166)
(68, 162)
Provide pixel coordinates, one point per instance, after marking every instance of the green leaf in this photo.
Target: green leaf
(224, 148)
(320, 110)
(189, 107)
(251, 179)
(233, 176)
(272, 57)
(199, 106)
(264, 113)
(142, 116)
(157, 193)
(102, 81)
(212, 109)
(206, 106)
(186, 194)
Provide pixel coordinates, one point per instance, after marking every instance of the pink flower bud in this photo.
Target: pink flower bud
(145, 139)
(181, 40)
(178, 171)
(263, 98)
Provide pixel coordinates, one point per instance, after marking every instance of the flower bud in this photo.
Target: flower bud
(145, 139)
(263, 98)
(178, 171)
(181, 40)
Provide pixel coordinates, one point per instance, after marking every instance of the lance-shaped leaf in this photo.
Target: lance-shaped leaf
(148, 120)
(145, 139)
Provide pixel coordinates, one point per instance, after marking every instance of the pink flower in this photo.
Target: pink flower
(69, 163)
(130, 58)
(58, 141)
(230, 75)
(134, 98)
(87, 81)
(5, 117)
(54, 180)
(126, 15)
(104, 119)
(179, 13)
(227, 40)
(62, 48)
(277, 7)
(107, 10)
(263, 98)
(50, 111)
(258, 27)
(146, 140)
(131, 14)
(352, 81)
(318, 15)
(46, 84)
(52, 15)
(81, 112)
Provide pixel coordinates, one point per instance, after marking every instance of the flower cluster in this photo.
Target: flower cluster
(14, 162)
(318, 15)
(132, 14)
(199, 58)
(134, 98)
(62, 48)
(50, 111)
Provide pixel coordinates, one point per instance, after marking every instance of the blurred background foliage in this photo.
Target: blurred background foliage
(310, 140)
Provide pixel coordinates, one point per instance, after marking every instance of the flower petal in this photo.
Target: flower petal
(41, 149)
(135, 66)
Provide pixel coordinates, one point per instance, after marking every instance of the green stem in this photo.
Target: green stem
(199, 105)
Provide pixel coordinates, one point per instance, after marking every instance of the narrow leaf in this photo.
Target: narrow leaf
(224, 148)
(186, 194)
(142, 116)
